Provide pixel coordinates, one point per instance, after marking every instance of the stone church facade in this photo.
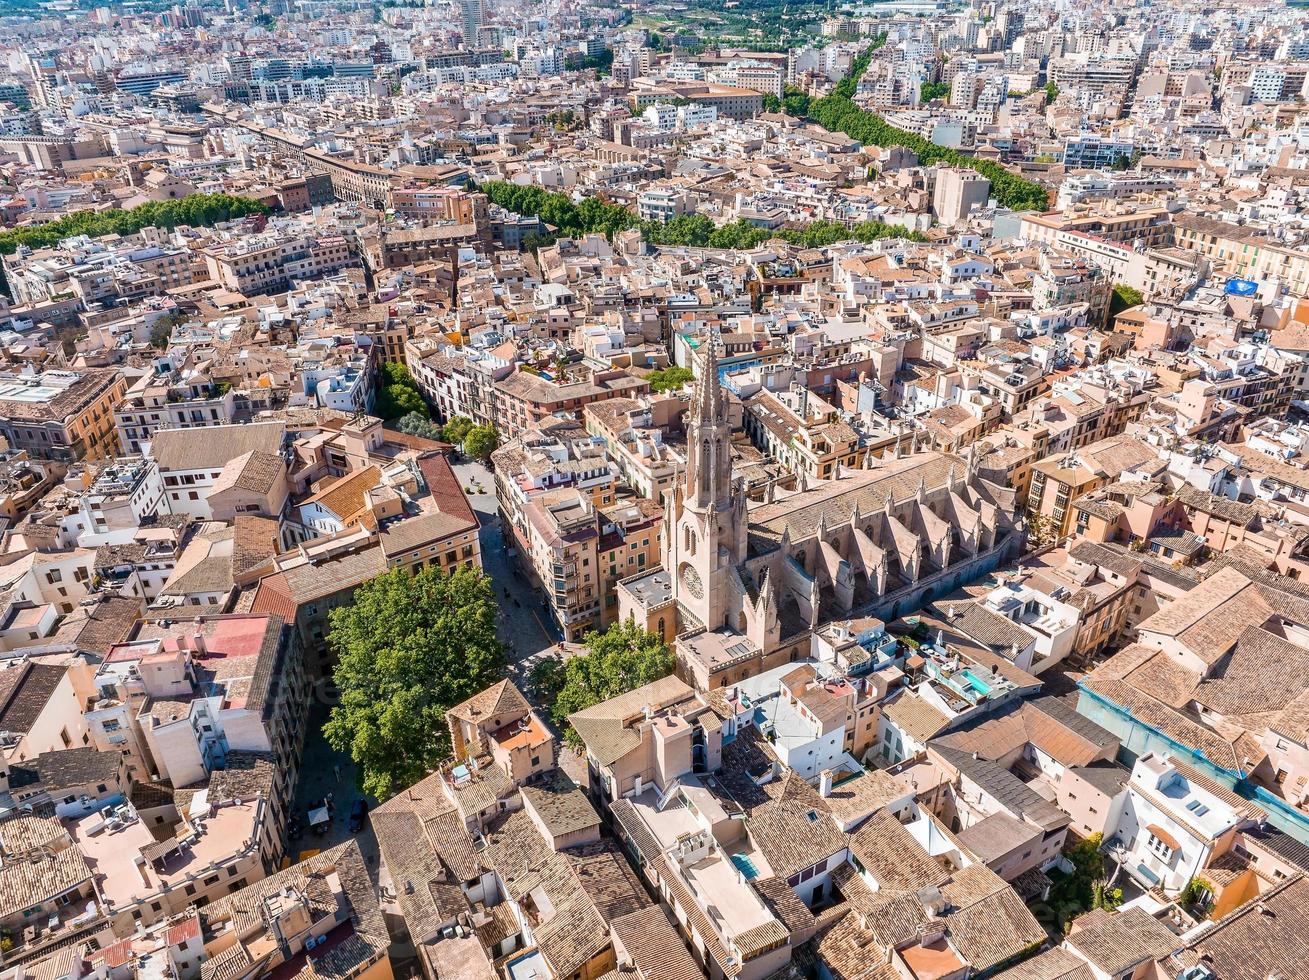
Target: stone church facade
(744, 585)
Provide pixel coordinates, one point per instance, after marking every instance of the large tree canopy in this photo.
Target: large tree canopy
(622, 658)
(409, 647)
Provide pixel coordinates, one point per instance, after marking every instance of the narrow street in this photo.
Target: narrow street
(525, 627)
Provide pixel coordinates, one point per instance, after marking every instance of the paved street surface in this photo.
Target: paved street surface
(525, 627)
(323, 770)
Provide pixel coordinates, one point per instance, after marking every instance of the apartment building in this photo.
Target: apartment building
(1175, 821)
(1060, 480)
(271, 262)
(524, 400)
(731, 101)
(191, 460)
(803, 431)
(572, 529)
(641, 441)
(63, 416)
(114, 869)
(172, 690)
(321, 915)
(1239, 252)
(165, 398)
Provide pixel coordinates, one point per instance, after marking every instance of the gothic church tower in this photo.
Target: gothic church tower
(705, 527)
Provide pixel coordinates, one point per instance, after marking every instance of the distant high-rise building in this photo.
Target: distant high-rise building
(957, 192)
(473, 14)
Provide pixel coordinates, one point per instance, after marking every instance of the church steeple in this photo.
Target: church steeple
(709, 459)
(707, 535)
(707, 403)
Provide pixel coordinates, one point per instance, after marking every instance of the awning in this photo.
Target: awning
(319, 816)
(1164, 836)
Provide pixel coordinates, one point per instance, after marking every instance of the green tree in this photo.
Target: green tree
(547, 677)
(1051, 92)
(795, 101)
(481, 442)
(669, 378)
(418, 424)
(1124, 298)
(399, 394)
(772, 103)
(162, 330)
(934, 90)
(456, 430)
(409, 647)
(592, 215)
(618, 660)
(394, 401)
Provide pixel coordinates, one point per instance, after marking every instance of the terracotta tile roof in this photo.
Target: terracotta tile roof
(562, 807)
(213, 447)
(1115, 942)
(25, 690)
(794, 830)
(1053, 964)
(273, 595)
(893, 857)
(24, 883)
(915, 717)
(606, 727)
(347, 498)
(256, 471)
(654, 946)
(500, 698)
(1266, 937)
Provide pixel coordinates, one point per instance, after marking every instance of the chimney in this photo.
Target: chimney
(825, 783)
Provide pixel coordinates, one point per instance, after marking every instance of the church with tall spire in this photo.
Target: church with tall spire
(704, 533)
(744, 585)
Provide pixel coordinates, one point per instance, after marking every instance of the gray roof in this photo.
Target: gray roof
(213, 447)
(1010, 791)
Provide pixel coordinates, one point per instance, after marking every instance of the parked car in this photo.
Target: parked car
(358, 814)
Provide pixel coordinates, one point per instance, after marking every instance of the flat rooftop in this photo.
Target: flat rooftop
(719, 648)
(114, 853)
(730, 904)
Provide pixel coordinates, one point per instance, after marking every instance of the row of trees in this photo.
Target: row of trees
(838, 112)
(593, 215)
(195, 210)
(478, 441)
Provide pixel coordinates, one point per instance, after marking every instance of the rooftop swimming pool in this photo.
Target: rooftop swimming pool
(976, 683)
(745, 866)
